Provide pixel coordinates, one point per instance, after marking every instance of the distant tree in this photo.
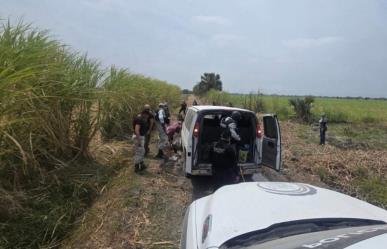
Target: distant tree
(186, 91)
(303, 108)
(208, 81)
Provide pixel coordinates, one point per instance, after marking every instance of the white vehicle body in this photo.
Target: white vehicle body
(263, 151)
(236, 210)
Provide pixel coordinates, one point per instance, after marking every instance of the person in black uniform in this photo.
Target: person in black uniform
(225, 159)
(150, 123)
(183, 108)
(140, 130)
(323, 128)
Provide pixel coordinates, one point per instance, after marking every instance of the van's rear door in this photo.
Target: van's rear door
(271, 142)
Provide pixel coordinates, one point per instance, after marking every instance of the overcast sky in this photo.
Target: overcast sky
(318, 47)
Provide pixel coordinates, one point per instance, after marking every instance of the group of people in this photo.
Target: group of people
(143, 125)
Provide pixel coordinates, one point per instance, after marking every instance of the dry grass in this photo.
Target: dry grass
(349, 170)
(135, 211)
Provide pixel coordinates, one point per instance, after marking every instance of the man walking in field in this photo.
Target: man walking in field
(149, 127)
(140, 130)
(183, 107)
(323, 128)
(160, 119)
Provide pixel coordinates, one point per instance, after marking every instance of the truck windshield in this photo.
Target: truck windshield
(312, 233)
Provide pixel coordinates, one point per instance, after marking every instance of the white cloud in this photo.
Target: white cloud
(305, 43)
(219, 20)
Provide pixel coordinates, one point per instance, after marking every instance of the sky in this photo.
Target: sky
(297, 47)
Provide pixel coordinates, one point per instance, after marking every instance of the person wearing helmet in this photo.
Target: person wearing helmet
(229, 128)
(224, 156)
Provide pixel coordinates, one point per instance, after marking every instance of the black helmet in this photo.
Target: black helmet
(236, 115)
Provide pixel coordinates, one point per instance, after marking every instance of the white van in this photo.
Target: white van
(201, 128)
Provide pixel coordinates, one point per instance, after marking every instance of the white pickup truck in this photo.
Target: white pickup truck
(201, 128)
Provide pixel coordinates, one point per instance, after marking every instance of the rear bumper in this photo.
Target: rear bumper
(203, 169)
(206, 169)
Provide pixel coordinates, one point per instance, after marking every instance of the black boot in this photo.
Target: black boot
(160, 154)
(136, 167)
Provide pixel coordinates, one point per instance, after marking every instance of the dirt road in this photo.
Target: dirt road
(141, 211)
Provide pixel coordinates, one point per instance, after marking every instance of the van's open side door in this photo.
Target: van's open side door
(271, 142)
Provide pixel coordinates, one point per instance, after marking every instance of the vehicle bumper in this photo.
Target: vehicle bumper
(202, 170)
(206, 169)
(249, 168)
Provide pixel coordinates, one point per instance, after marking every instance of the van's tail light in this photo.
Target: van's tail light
(196, 129)
(259, 131)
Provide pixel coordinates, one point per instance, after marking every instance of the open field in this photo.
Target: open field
(338, 110)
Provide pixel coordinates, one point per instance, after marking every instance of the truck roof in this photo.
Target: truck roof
(215, 107)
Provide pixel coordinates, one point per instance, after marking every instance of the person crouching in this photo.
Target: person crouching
(140, 130)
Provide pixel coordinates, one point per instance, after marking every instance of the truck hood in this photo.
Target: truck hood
(246, 207)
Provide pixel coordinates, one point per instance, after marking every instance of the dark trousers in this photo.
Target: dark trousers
(183, 110)
(322, 136)
(225, 166)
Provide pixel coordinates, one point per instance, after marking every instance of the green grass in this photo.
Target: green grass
(52, 103)
(124, 96)
(374, 189)
(337, 110)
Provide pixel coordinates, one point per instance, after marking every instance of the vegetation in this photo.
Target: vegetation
(52, 103)
(302, 108)
(208, 81)
(123, 95)
(338, 110)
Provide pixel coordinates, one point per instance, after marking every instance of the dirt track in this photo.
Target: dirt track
(140, 210)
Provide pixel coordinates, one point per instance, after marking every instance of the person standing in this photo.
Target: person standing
(225, 159)
(194, 102)
(140, 129)
(183, 107)
(160, 119)
(150, 125)
(167, 114)
(323, 128)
